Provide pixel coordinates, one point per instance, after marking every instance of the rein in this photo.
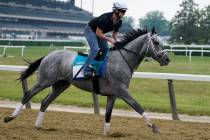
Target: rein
(140, 56)
(129, 51)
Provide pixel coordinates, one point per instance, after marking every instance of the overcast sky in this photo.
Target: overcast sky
(138, 8)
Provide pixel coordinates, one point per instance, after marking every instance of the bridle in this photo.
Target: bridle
(153, 48)
(141, 55)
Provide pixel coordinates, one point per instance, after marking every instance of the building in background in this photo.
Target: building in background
(34, 19)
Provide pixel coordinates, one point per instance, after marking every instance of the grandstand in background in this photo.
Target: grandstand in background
(34, 19)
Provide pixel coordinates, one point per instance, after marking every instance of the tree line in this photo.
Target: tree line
(190, 25)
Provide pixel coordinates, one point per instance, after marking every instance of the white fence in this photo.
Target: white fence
(8, 46)
(188, 51)
(188, 46)
(76, 47)
(172, 76)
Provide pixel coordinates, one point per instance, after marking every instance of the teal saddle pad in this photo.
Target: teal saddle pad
(98, 66)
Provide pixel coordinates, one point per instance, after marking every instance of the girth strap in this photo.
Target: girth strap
(96, 85)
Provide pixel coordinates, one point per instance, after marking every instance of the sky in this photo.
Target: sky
(138, 8)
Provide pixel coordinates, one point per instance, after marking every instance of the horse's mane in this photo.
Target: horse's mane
(128, 37)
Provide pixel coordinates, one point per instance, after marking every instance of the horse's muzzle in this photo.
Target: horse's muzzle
(164, 60)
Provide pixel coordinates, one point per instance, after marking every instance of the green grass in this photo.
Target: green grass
(192, 97)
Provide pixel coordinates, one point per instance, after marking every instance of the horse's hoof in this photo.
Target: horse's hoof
(38, 127)
(155, 129)
(8, 119)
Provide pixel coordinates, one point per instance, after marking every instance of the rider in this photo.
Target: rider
(96, 29)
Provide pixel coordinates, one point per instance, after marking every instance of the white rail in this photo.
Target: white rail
(12, 68)
(76, 47)
(190, 52)
(8, 46)
(188, 46)
(172, 76)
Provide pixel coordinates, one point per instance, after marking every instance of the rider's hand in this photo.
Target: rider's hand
(112, 41)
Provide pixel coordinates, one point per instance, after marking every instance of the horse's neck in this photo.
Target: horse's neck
(131, 59)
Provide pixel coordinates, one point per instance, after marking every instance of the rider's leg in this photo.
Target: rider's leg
(94, 48)
(104, 47)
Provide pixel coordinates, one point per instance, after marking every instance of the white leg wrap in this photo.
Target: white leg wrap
(106, 129)
(39, 119)
(17, 110)
(146, 118)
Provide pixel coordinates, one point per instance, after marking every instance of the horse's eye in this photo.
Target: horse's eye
(156, 42)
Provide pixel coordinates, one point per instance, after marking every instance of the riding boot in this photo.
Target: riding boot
(88, 71)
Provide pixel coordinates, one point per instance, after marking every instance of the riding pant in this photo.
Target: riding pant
(95, 44)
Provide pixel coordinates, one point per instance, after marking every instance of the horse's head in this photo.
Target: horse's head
(154, 48)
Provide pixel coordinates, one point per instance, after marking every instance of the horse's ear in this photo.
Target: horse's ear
(153, 30)
(145, 29)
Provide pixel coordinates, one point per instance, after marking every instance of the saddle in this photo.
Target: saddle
(98, 66)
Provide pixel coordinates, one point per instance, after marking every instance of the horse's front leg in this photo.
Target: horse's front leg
(124, 95)
(109, 107)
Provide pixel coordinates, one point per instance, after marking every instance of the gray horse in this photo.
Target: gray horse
(55, 70)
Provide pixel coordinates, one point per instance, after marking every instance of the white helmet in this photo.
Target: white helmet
(119, 6)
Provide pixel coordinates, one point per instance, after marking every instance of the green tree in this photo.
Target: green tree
(156, 19)
(204, 26)
(185, 24)
(127, 25)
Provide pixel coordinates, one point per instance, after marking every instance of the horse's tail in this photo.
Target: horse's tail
(31, 69)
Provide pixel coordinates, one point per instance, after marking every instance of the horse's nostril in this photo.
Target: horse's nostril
(167, 60)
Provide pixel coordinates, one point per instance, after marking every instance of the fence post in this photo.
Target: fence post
(4, 51)
(172, 100)
(22, 52)
(95, 103)
(190, 56)
(25, 89)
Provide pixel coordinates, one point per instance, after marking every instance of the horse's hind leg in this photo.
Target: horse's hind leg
(57, 89)
(32, 92)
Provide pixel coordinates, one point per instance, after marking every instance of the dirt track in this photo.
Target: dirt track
(77, 126)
